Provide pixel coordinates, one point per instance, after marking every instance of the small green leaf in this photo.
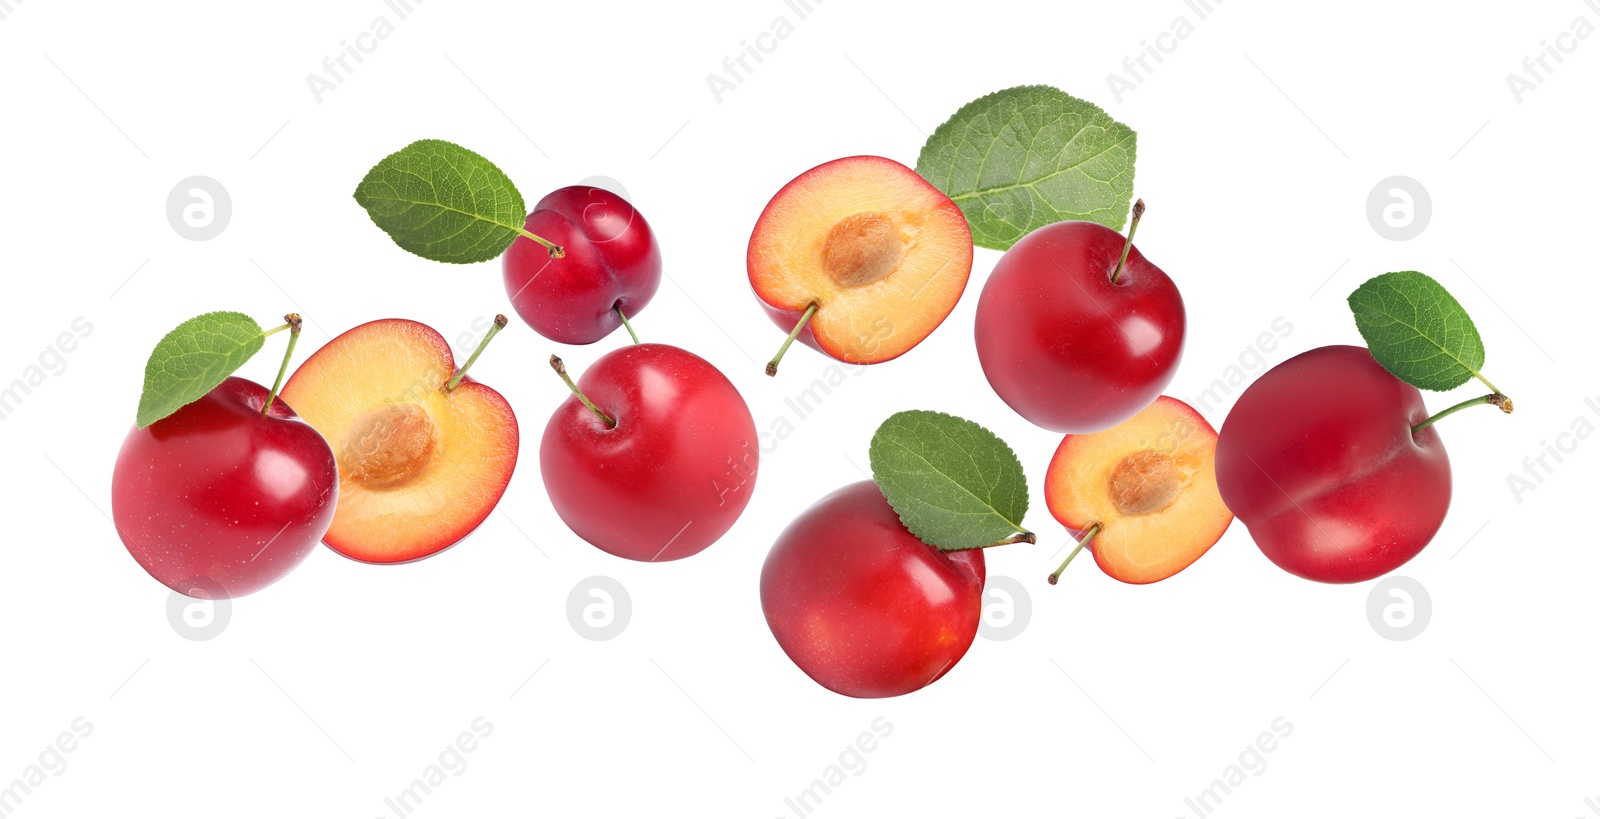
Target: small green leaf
(193, 359)
(443, 202)
(1418, 331)
(1026, 157)
(953, 483)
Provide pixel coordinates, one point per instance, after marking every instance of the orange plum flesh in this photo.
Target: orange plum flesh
(882, 254)
(420, 465)
(1150, 485)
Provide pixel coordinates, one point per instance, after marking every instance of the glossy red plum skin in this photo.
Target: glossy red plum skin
(864, 607)
(1318, 459)
(675, 472)
(1065, 346)
(612, 261)
(218, 500)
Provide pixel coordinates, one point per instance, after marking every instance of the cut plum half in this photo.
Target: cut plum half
(422, 462)
(1143, 493)
(859, 258)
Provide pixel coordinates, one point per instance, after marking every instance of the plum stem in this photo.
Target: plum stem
(1020, 537)
(561, 370)
(499, 324)
(624, 316)
(1133, 227)
(1093, 530)
(556, 251)
(292, 324)
(1494, 398)
(772, 366)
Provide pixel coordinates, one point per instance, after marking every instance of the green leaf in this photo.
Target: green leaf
(1418, 331)
(193, 359)
(953, 483)
(443, 202)
(1026, 157)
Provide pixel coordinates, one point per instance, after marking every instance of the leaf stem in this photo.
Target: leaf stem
(293, 326)
(499, 324)
(1093, 530)
(1020, 537)
(772, 366)
(1138, 213)
(556, 251)
(624, 317)
(561, 370)
(1494, 398)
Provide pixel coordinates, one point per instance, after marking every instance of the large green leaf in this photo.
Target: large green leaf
(1418, 331)
(193, 359)
(953, 483)
(443, 202)
(1026, 157)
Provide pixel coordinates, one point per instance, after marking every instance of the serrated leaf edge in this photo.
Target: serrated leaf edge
(944, 127)
(521, 203)
(149, 364)
(1026, 501)
(1378, 280)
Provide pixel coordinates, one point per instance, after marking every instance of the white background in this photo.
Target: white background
(1260, 138)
